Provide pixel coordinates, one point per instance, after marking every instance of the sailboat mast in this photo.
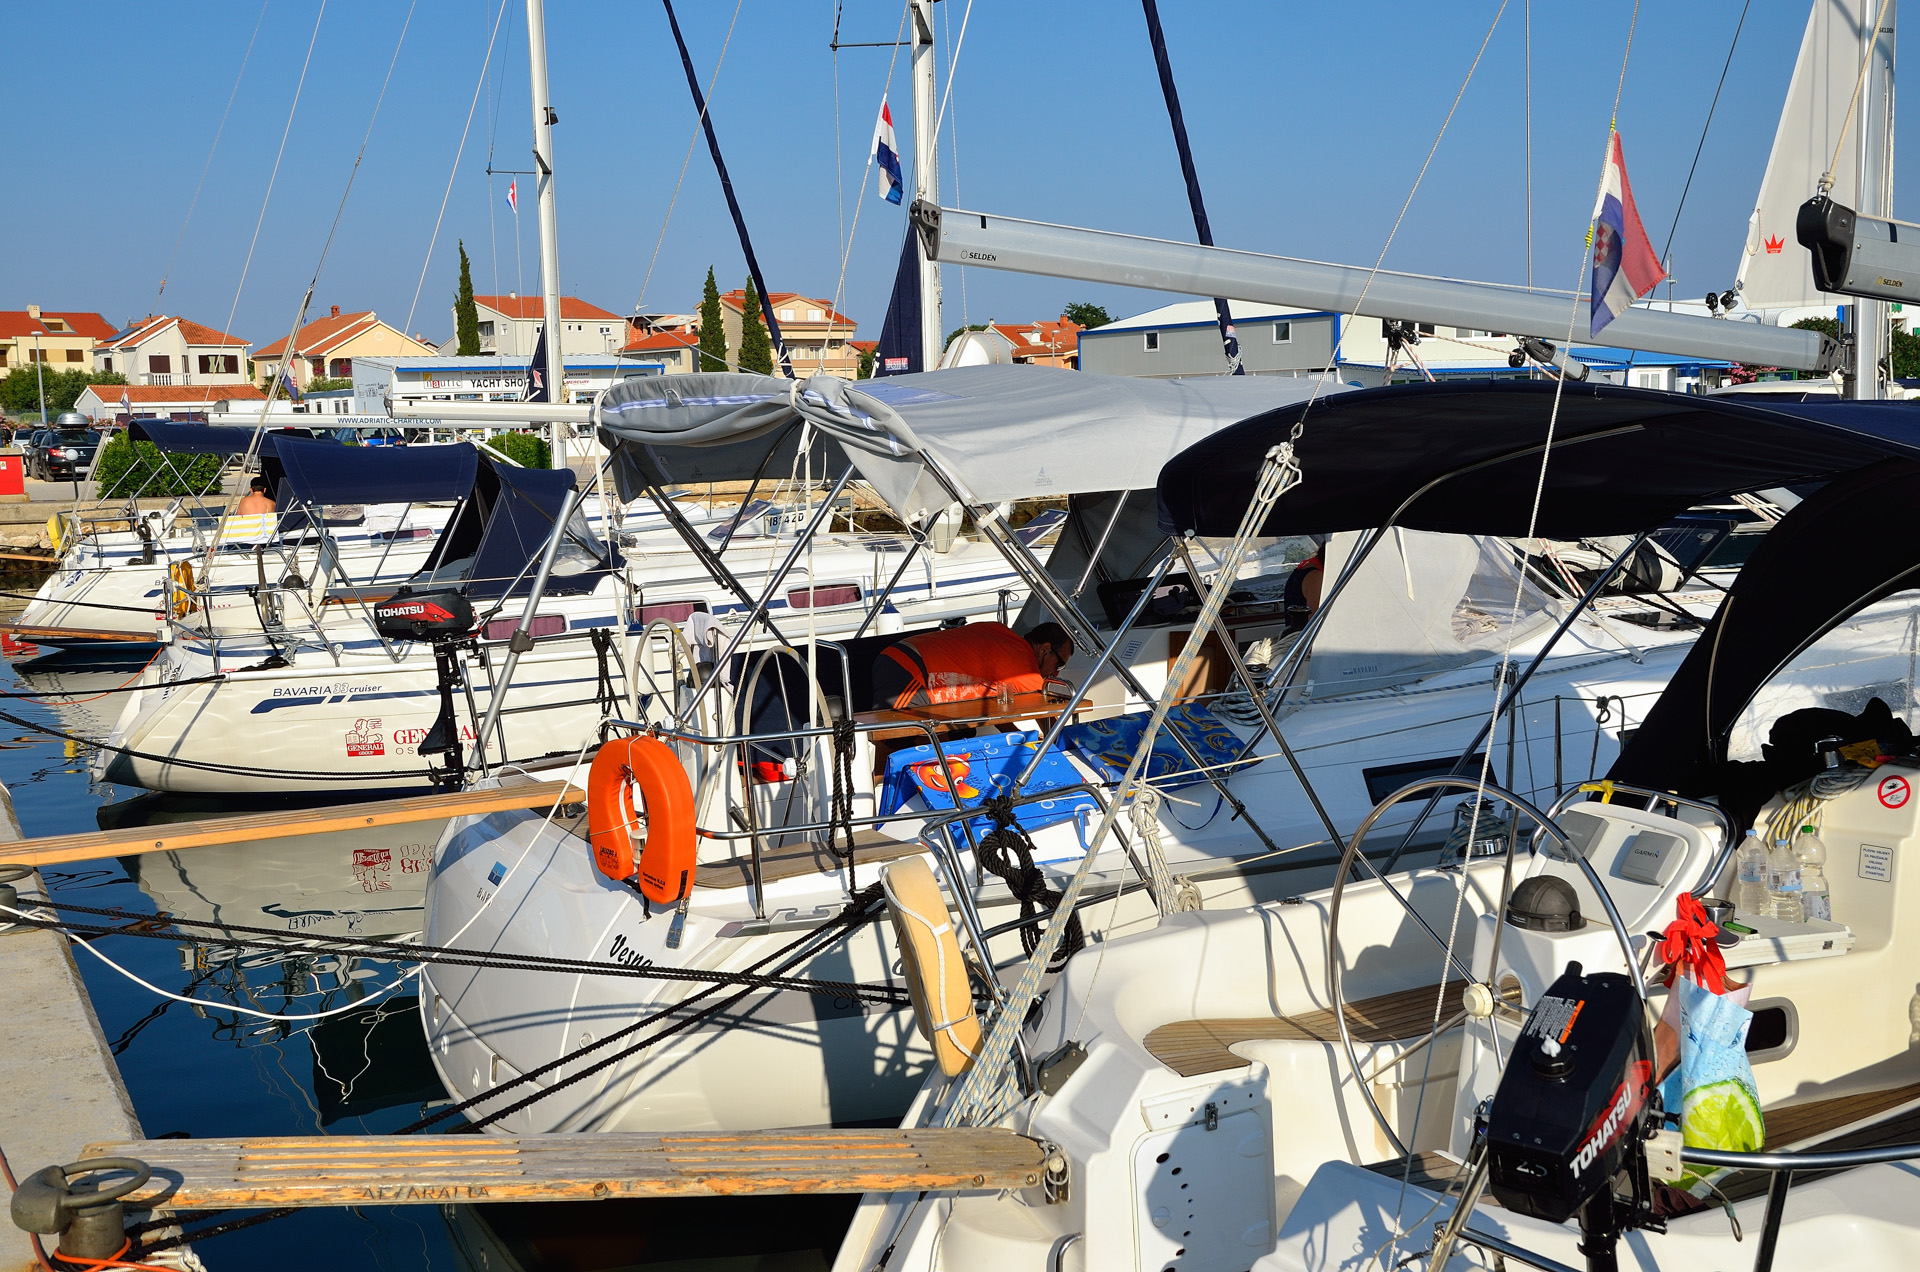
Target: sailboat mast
(926, 175)
(1875, 142)
(543, 121)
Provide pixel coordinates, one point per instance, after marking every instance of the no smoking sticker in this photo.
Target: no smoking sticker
(1894, 792)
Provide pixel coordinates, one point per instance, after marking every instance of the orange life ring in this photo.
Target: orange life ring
(664, 871)
(182, 574)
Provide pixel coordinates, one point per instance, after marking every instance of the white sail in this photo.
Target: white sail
(1774, 271)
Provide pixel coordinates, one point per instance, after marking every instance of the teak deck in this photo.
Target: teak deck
(347, 1170)
(133, 840)
(1193, 1047)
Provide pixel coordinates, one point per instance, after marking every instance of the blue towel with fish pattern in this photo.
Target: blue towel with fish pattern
(983, 766)
(1107, 746)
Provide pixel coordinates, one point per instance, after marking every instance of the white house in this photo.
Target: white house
(168, 352)
(510, 326)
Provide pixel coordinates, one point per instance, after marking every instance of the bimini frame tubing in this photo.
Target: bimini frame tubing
(774, 582)
(1063, 607)
(714, 565)
(1512, 695)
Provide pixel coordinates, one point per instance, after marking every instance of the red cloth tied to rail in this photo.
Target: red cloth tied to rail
(1688, 946)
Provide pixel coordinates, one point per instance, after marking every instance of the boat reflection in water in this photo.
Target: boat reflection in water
(681, 1234)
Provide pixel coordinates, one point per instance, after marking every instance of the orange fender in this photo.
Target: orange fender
(664, 872)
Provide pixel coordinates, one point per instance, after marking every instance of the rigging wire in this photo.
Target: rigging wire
(1533, 523)
(274, 176)
(1866, 60)
(699, 122)
(493, 136)
(211, 150)
(953, 148)
(860, 201)
(485, 71)
(1703, 129)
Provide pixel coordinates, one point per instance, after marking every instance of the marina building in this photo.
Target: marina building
(164, 351)
(325, 348)
(481, 379)
(510, 326)
(63, 341)
(1050, 343)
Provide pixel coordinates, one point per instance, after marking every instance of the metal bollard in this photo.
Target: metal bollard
(86, 1213)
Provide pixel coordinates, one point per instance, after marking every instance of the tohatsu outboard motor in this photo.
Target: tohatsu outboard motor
(443, 617)
(1567, 1129)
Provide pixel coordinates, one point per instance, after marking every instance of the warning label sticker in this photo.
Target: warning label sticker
(1554, 1017)
(1894, 792)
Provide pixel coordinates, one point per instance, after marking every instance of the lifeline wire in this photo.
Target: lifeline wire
(1533, 522)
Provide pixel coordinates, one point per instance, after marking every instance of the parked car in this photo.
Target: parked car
(68, 455)
(35, 448)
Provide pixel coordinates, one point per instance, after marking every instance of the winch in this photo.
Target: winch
(444, 617)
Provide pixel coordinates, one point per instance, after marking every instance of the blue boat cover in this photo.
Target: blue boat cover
(985, 765)
(518, 523)
(1464, 458)
(203, 439)
(1107, 746)
(329, 473)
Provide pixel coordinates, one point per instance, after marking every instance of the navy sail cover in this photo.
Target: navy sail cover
(1465, 458)
(329, 473)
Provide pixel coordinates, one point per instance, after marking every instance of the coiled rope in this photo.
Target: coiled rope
(1007, 850)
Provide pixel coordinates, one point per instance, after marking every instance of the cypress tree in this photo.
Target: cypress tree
(466, 315)
(756, 351)
(713, 329)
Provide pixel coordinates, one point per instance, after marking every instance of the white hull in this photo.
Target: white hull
(794, 1062)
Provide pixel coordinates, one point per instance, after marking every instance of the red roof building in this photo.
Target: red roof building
(326, 347)
(167, 401)
(816, 335)
(510, 326)
(169, 351)
(63, 341)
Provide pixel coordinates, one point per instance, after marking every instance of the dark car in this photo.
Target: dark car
(67, 456)
(35, 447)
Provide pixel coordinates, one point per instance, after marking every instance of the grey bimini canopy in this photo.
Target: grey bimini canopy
(996, 432)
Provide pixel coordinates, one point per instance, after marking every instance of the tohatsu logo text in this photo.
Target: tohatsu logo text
(1627, 1101)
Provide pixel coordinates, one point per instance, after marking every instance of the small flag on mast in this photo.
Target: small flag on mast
(1625, 266)
(886, 154)
(513, 196)
(537, 389)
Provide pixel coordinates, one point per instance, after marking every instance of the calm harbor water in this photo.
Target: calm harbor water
(208, 1070)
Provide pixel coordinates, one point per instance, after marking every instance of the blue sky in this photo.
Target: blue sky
(1309, 124)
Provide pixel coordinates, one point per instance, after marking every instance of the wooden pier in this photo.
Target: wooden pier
(344, 1170)
(131, 841)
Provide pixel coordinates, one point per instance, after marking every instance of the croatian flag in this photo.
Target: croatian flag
(886, 153)
(1625, 267)
(513, 196)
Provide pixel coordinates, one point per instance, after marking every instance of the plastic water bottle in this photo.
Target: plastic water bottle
(1815, 900)
(1750, 881)
(1783, 884)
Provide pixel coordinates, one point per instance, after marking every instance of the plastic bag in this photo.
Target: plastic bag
(1712, 1088)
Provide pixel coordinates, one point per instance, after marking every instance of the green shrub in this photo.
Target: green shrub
(525, 449)
(126, 467)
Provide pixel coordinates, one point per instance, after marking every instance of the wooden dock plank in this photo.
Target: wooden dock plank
(134, 840)
(356, 1170)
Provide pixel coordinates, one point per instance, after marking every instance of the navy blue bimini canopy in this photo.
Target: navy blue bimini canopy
(329, 473)
(1465, 458)
(206, 439)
